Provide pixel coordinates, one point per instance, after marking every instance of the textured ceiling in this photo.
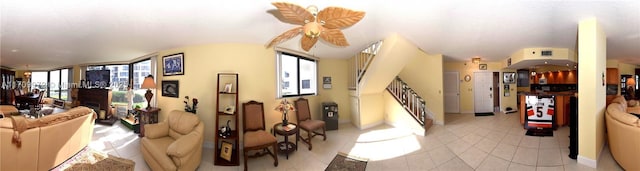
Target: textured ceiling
(49, 34)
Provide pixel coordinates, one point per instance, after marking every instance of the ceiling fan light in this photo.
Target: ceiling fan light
(312, 29)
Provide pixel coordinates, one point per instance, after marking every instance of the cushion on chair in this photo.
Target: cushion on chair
(254, 118)
(302, 107)
(311, 124)
(182, 123)
(258, 138)
(158, 149)
(632, 103)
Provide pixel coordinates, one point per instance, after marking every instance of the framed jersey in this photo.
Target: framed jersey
(540, 112)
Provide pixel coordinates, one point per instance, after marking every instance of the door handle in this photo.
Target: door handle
(490, 88)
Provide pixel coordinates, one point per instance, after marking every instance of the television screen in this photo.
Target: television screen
(540, 111)
(98, 78)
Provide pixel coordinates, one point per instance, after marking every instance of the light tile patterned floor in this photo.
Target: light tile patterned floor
(465, 143)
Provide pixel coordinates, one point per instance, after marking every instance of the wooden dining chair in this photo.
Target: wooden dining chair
(306, 123)
(255, 136)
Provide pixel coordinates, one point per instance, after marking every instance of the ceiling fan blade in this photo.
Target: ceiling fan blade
(334, 36)
(337, 17)
(293, 13)
(286, 36)
(307, 42)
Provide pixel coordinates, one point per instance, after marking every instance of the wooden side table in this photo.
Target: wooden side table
(147, 116)
(286, 147)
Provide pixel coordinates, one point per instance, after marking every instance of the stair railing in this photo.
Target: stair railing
(410, 101)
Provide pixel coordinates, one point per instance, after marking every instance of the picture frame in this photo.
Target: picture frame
(170, 88)
(482, 66)
(509, 77)
(230, 109)
(226, 150)
(228, 88)
(173, 64)
(326, 82)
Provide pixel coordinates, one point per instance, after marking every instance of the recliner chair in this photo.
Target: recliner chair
(175, 144)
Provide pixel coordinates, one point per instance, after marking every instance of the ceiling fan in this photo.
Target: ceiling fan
(325, 24)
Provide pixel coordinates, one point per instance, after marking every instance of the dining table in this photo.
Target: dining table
(24, 101)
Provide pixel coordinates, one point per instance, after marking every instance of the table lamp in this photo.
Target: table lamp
(148, 84)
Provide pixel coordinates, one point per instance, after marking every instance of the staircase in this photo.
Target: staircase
(361, 62)
(411, 102)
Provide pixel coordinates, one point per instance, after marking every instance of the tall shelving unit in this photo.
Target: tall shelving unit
(227, 98)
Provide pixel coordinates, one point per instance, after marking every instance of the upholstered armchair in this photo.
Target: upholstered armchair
(255, 136)
(306, 123)
(175, 144)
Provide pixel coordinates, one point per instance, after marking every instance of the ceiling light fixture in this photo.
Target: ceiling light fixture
(27, 73)
(475, 60)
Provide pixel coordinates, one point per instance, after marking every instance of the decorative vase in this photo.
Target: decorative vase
(285, 121)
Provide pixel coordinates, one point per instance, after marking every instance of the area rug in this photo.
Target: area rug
(485, 114)
(90, 159)
(344, 162)
(540, 132)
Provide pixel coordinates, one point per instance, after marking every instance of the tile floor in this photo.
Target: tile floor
(465, 142)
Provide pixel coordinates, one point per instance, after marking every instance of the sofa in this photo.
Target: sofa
(624, 133)
(43, 143)
(6, 110)
(174, 144)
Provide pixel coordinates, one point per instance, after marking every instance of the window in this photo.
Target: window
(297, 75)
(39, 80)
(119, 77)
(59, 84)
(140, 71)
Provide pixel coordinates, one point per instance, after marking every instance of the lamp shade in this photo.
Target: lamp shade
(148, 83)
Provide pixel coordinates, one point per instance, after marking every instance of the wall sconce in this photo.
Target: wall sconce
(27, 75)
(475, 60)
(533, 73)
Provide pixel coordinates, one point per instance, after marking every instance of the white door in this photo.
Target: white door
(451, 92)
(483, 92)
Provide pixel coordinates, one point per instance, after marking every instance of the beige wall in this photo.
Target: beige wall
(466, 88)
(427, 81)
(394, 54)
(339, 91)
(256, 67)
(397, 116)
(371, 110)
(592, 55)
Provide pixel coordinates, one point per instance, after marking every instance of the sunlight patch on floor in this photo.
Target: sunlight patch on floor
(385, 144)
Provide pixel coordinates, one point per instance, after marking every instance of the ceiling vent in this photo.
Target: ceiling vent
(546, 53)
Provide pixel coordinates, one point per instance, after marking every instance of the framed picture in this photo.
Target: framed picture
(326, 82)
(228, 88)
(170, 88)
(226, 150)
(229, 109)
(509, 78)
(482, 66)
(173, 64)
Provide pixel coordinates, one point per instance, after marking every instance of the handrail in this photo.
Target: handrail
(410, 100)
(361, 63)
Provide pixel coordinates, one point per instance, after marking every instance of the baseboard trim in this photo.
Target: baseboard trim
(587, 161)
(371, 125)
(467, 112)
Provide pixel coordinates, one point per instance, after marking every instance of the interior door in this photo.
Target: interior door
(483, 92)
(451, 92)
